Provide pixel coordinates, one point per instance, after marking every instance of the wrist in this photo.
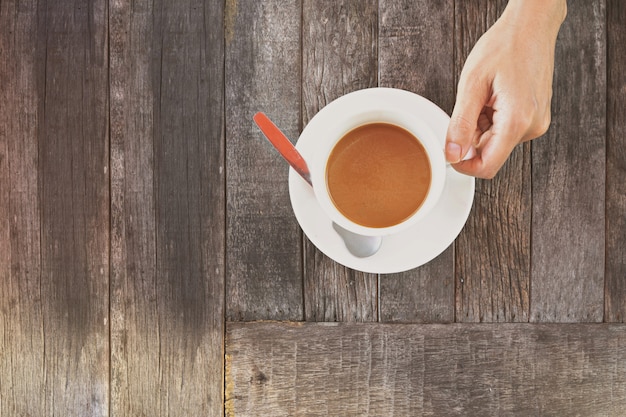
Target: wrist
(545, 16)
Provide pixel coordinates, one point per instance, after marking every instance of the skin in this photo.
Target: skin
(505, 88)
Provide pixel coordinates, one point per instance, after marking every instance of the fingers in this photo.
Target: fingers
(494, 146)
(489, 158)
(464, 130)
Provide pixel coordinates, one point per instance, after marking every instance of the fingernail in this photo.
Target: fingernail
(453, 152)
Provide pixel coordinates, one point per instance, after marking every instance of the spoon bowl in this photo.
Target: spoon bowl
(359, 245)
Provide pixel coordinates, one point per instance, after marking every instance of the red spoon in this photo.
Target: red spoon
(283, 145)
(359, 246)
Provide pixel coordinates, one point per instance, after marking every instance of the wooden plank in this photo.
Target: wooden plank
(134, 315)
(167, 301)
(492, 260)
(22, 47)
(568, 177)
(615, 278)
(320, 369)
(263, 240)
(73, 186)
(416, 54)
(339, 48)
(416, 48)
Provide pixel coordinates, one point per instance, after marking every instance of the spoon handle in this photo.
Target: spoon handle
(283, 145)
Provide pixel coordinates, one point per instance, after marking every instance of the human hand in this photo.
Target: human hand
(505, 87)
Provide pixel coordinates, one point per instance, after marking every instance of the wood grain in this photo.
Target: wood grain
(416, 48)
(416, 54)
(167, 302)
(339, 49)
(73, 179)
(22, 362)
(362, 369)
(134, 315)
(263, 67)
(568, 171)
(493, 250)
(615, 274)
(133, 183)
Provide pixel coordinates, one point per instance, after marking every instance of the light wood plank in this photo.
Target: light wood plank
(167, 302)
(339, 48)
(134, 315)
(493, 250)
(263, 240)
(73, 181)
(416, 54)
(22, 49)
(568, 177)
(285, 369)
(615, 278)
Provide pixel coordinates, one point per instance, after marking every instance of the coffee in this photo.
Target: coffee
(378, 175)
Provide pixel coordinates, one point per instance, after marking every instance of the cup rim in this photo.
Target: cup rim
(354, 114)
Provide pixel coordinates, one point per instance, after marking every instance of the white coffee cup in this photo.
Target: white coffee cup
(348, 112)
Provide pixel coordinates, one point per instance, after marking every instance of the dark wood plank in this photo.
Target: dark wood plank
(22, 365)
(568, 177)
(493, 250)
(263, 240)
(615, 278)
(417, 49)
(73, 181)
(317, 369)
(416, 54)
(167, 246)
(339, 48)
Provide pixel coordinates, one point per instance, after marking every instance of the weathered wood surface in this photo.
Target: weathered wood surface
(263, 68)
(168, 220)
(349, 369)
(55, 209)
(339, 55)
(416, 53)
(73, 177)
(141, 210)
(568, 177)
(493, 250)
(493, 269)
(22, 328)
(615, 274)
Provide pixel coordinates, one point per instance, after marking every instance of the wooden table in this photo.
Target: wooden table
(151, 264)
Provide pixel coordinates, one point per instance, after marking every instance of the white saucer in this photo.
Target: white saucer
(405, 250)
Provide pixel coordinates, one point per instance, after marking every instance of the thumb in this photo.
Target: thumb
(463, 130)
